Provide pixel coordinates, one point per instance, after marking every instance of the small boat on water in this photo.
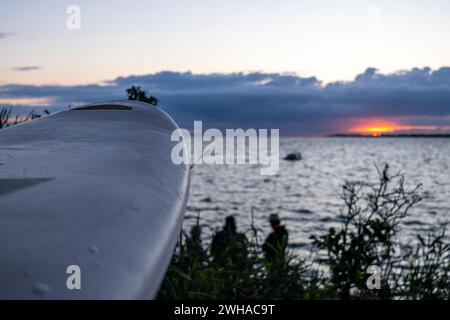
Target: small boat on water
(293, 157)
(93, 191)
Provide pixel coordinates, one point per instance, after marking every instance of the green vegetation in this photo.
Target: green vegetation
(136, 93)
(342, 261)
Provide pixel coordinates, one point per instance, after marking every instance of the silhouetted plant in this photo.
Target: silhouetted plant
(4, 117)
(7, 120)
(368, 237)
(136, 93)
(202, 277)
(427, 274)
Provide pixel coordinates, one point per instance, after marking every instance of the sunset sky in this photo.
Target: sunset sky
(306, 67)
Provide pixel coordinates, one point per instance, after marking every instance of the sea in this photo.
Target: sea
(307, 194)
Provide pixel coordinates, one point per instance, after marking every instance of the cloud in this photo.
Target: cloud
(295, 104)
(27, 68)
(4, 35)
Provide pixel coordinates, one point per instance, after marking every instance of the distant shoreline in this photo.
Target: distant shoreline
(390, 136)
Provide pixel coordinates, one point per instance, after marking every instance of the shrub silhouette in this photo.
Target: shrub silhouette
(136, 93)
(368, 235)
(6, 119)
(340, 260)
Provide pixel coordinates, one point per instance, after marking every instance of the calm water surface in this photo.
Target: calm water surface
(306, 194)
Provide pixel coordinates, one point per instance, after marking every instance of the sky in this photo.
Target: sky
(306, 67)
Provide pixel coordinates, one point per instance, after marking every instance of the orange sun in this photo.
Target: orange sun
(375, 128)
(378, 131)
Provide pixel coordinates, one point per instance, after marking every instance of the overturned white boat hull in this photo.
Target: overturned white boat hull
(93, 187)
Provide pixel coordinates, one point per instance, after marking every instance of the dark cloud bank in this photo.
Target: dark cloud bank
(296, 105)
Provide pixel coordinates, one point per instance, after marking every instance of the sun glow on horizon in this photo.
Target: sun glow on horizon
(377, 131)
(374, 127)
(378, 127)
